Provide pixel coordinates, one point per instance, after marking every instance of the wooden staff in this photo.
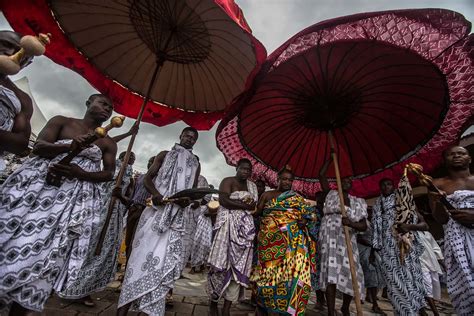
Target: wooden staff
(355, 284)
(99, 132)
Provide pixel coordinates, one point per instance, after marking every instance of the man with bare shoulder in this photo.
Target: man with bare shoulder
(155, 262)
(230, 259)
(458, 186)
(16, 107)
(45, 229)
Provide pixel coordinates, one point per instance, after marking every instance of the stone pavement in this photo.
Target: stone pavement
(190, 299)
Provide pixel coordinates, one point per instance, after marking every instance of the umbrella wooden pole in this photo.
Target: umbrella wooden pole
(113, 200)
(355, 284)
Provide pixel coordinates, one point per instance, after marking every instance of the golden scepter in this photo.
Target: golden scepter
(99, 132)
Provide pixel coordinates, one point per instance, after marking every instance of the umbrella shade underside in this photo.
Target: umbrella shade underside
(381, 101)
(393, 87)
(208, 56)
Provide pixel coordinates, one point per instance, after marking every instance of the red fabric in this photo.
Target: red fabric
(34, 16)
(412, 71)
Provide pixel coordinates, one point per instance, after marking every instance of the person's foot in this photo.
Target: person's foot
(345, 312)
(384, 293)
(169, 300)
(193, 270)
(88, 301)
(377, 310)
(319, 306)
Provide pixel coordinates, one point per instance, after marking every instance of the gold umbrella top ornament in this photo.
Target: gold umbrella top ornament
(30, 46)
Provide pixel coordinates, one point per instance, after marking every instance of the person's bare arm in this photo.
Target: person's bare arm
(261, 204)
(151, 174)
(231, 204)
(133, 130)
(45, 146)
(323, 180)
(439, 211)
(16, 140)
(359, 226)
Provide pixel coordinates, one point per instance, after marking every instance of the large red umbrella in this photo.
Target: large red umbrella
(393, 87)
(195, 56)
(209, 59)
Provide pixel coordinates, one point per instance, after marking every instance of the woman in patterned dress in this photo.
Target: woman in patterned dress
(286, 253)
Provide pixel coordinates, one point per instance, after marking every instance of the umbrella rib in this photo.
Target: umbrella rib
(295, 135)
(278, 150)
(360, 144)
(317, 89)
(378, 132)
(360, 72)
(361, 75)
(266, 132)
(344, 137)
(288, 110)
(339, 65)
(394, 129)
(309, 151)
(412, 95)
(251, 125)
(346, 68)
(313, 171)
(412, 109)
(138, 70)
(302, 144)
(378, 84)
(135, 57)
(323, 75)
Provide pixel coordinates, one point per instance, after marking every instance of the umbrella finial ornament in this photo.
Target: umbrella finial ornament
(30, 46)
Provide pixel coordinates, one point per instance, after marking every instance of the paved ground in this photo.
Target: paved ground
(190, 299)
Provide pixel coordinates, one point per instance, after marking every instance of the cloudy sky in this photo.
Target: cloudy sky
(58, 90)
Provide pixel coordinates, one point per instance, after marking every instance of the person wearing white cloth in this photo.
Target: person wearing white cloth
(431, 268)
(459, 227)
(16, 107)
(157, 248)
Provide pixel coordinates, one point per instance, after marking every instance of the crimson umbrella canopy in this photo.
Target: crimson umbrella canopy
(209, 53)
(393, 87)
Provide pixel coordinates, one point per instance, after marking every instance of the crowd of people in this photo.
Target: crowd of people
(281, 245)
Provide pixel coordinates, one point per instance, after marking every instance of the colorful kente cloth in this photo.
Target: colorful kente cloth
(230, 259)
(44, 230)
(286, 256)
(459, 256)
(314, 225)
(99, 270)
(157, 249)
(404, 282)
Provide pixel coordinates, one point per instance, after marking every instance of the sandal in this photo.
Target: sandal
(88, 301)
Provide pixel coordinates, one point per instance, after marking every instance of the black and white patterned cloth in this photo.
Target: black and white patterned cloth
(157, 253)
(459, 256)
(230, 258)
(99, 270)
(45, 231)
(10, 106)
(404, 282)
(335, 267)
